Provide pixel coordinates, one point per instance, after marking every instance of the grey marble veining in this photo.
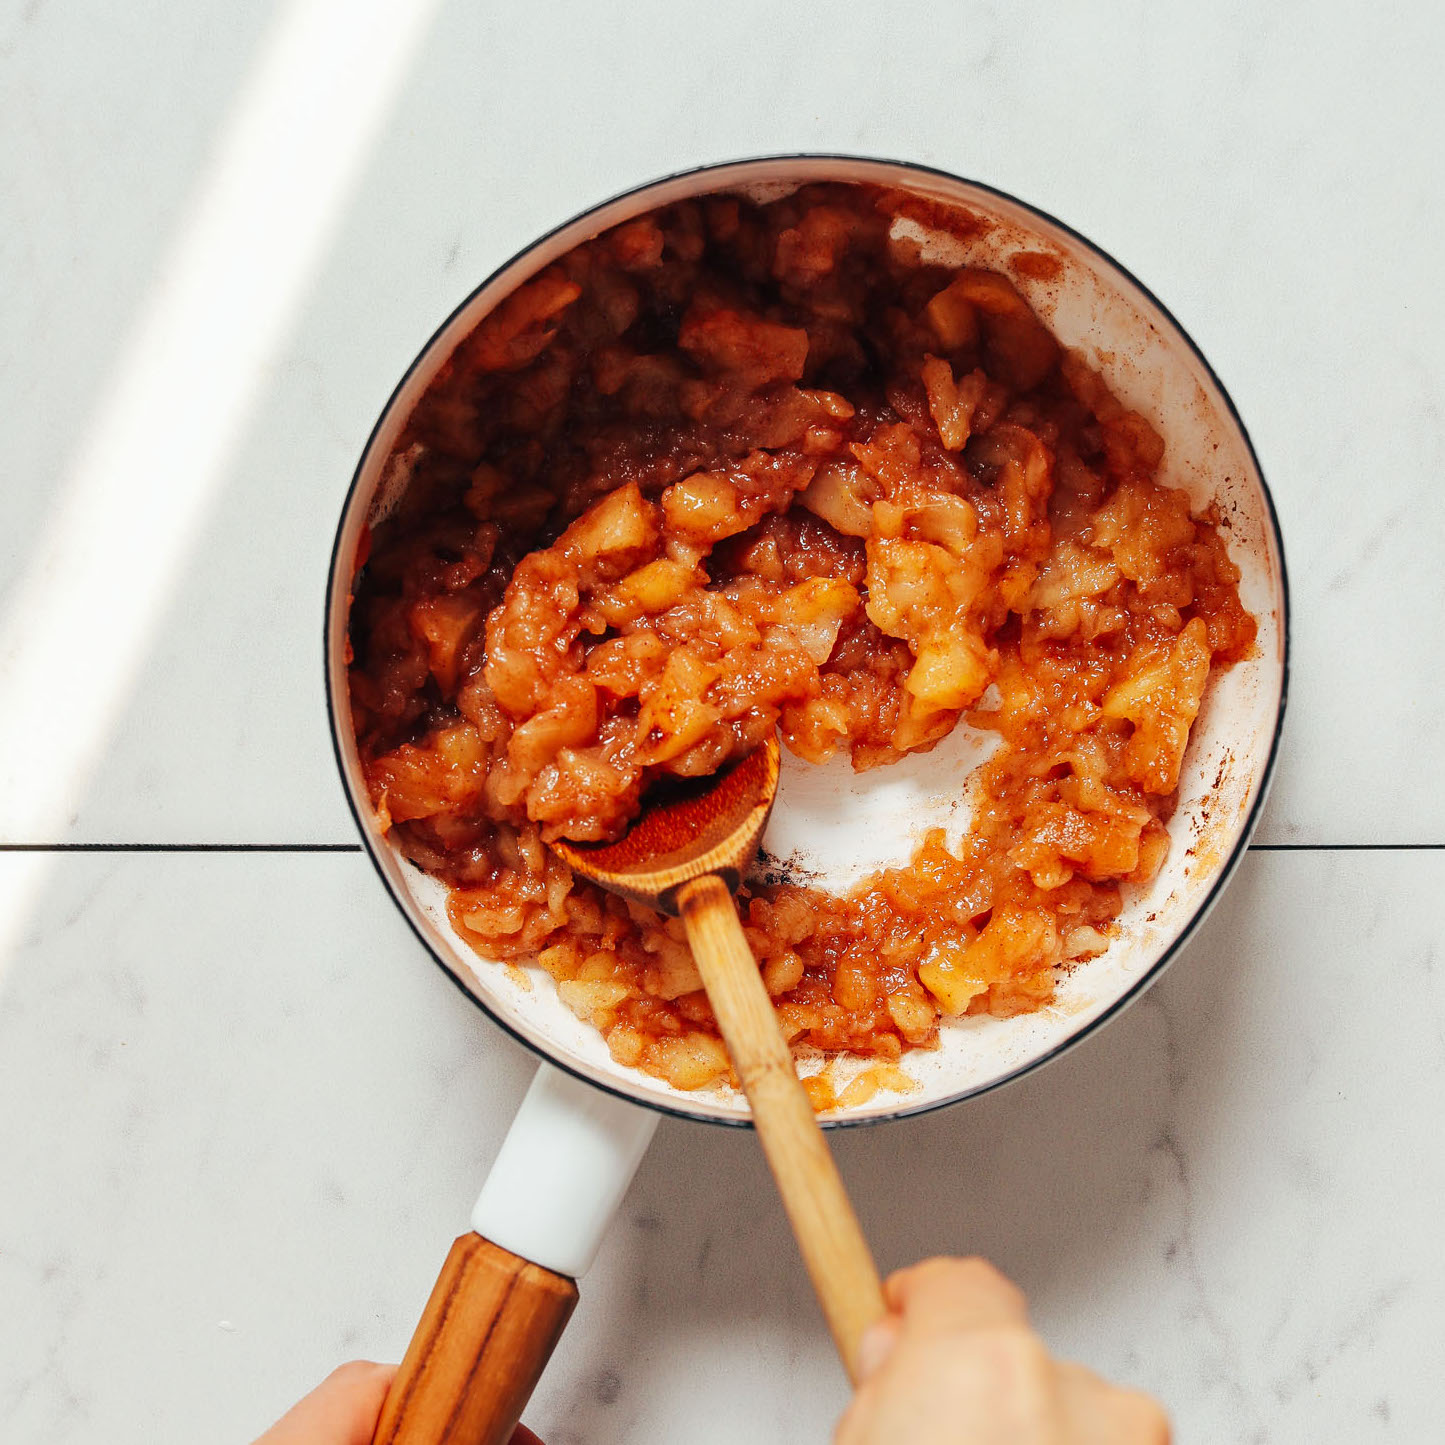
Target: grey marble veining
(248, 1116)
(1269, 172)
(245, 1116)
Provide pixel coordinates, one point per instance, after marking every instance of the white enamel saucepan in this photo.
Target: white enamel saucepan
(507, 1287)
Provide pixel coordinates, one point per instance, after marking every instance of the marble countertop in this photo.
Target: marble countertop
(245, 1115)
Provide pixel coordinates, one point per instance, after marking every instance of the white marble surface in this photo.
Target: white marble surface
(245, 1115)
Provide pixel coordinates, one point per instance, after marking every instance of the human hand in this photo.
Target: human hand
(343, 1410)
(955, 1363)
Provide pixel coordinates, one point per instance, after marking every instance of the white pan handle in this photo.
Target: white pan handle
(505, 1292)
(562, 1171)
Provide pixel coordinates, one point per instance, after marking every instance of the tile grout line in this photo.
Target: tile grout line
(357, 848)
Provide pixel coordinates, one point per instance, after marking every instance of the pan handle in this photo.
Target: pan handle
(507, 1289)
(484, 1339)
(562, 1171)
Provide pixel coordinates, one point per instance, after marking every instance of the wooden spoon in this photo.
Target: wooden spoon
(686, 855)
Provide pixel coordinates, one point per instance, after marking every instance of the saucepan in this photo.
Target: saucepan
(509, 1284)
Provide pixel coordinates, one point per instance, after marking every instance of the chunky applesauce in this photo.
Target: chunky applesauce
(736, 467)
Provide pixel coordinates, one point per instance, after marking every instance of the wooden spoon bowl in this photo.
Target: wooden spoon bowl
(688, 829)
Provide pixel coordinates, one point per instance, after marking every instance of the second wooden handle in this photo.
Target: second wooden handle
(484, 1338)
(832, 1244)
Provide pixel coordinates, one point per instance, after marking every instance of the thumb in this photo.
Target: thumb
(341, 1410)
(878, 1342)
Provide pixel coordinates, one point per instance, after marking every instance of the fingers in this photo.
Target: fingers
(344, 1408)
(954, 1294)
(986, 1387)
(341, 1410)
(1102, 1414)
(1145, 1416)
(957, 1345)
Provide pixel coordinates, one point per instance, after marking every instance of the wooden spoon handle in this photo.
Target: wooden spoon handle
(832, 1244)
(488, 1331)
